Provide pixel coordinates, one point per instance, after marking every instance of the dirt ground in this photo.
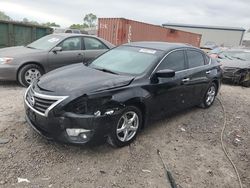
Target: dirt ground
(189, 142)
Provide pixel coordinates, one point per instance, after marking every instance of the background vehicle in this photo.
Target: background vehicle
(27, 63)
(230, 53)
(60, 30)
(115, 95)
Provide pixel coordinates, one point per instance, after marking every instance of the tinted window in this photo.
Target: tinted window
(71, 44)
(195, 58)
(174, 61)
(93, 44)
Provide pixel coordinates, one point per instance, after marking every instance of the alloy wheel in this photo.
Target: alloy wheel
(210, 95)
(127, 126)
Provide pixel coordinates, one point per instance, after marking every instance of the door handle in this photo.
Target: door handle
(208, 72)
(185, 79)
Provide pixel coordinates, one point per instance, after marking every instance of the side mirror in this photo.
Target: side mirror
(57, 49)
(166, 73)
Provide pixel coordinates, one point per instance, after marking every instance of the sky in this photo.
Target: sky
(64, 12)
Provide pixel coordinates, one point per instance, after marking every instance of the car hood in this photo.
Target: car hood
(80, 79)
(16, 51)
(236, 64)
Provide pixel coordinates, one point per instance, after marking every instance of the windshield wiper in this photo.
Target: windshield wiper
(30, 47)
(239, 58)
(106, 70)
(228, 57)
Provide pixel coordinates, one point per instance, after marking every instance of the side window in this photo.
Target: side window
(174, 61)
(207, 58)
(93, 44)
(70, 44)
(195, 58)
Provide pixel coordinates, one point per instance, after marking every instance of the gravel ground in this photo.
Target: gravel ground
(189, 142)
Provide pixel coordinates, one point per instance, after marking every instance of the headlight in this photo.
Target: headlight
(6, 60)
(84, 105)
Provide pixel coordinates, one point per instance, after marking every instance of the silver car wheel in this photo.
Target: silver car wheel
(210, 95)
(31, 75)
(127, 126)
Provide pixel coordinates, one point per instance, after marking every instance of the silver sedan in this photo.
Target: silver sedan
(27, 63)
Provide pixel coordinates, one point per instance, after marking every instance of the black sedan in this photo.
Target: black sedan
(114, 96)
(27, 63)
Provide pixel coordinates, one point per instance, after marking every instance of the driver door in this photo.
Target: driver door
(71, 53)
(170, 94)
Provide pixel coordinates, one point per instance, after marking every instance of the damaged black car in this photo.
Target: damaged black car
(114, 97)
(236, 67)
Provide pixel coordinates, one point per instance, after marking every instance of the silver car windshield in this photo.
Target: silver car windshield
(127, 60)
(45, 43)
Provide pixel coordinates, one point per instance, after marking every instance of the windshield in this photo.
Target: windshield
(45, 43)
(241, 55)
(127, 60)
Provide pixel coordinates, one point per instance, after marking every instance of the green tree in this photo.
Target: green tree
(25, 20)
(90, 20)
(79, 26)
(51, 24)
(5, 17)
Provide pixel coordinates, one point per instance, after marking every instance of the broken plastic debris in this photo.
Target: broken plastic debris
(4, 141)
(182, 129)
(236, 139)
(20, 180)
(144, 170)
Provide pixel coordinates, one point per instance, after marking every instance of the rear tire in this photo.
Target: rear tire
(210, 95)
(29, 73)
(246, 83)
(125, 130)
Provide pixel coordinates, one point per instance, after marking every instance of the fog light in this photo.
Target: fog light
(76, 132)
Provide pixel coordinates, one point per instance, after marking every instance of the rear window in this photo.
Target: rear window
(195, 58)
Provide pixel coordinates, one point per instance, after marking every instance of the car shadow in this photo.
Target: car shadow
(9, 84)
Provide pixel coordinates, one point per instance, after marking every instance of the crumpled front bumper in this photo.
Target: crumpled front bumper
(236, 76)
(55, 127)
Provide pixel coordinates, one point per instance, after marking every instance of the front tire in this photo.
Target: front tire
(126, 129)
(210, 95)
(29, 73)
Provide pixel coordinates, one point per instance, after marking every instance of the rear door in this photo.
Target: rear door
(93, 48)
(198, 75)
(72, 52)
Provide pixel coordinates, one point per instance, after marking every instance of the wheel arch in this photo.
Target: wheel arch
(216, 82)
(137, 102)
(29, 63)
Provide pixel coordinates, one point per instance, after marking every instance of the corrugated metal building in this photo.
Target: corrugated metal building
(16, 33)
(222, 36)
(120, 30)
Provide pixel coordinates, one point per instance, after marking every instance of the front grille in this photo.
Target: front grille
(41, 103)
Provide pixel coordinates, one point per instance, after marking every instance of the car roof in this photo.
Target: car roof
(71, 34)
(163, 46)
